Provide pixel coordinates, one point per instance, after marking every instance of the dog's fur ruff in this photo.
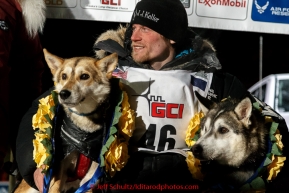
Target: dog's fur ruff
(82, 84)
(232, 142)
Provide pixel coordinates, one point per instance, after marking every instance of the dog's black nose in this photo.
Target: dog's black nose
(64, 94)
(197, 150)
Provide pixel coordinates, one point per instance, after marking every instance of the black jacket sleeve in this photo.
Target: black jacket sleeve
(24, 144)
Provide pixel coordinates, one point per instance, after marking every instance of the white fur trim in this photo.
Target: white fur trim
(34, 15)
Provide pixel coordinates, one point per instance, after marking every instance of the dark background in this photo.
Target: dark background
(237, 51)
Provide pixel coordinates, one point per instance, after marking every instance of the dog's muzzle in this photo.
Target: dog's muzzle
(64, 94)
(197, 150)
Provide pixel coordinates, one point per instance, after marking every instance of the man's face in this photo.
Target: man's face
(149, 46)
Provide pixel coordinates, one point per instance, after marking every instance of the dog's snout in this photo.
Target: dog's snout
(64, 94)
(197, 150)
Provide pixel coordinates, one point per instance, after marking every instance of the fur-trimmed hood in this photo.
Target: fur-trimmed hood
(117, 35)
(34, 15)
(203, 56)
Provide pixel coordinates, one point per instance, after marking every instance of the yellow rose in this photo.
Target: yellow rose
(39, 152)
(275, 167)
(194, 166)
(279, 141)
(116, 157)
(127, 119)
(193, 127)
(39, 120)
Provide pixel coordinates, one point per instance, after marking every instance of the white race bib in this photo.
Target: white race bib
(164, 102)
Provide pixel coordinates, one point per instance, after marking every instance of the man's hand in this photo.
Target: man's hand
(39, 178)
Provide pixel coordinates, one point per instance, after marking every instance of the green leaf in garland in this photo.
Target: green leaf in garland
(273, 128)
(256, 106)
(273, 138)
(269, 155)
(258, 184)
(49, 131)
(109, 141)
(196, 137)
(275, 150)
(102, 164)
(103, 150)
(117, 111)
(261, 170)
(117, 115)
(48, 160)
(112, 130)
(197, 134)
(267, 161)
(48, 119)
(52, 109)
(245, 187)
(47, 144)
(55, 97)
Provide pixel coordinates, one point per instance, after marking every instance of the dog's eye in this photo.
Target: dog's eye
(223, 130)
(84, 77)
(63, 76)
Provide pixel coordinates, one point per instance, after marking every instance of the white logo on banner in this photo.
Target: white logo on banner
(263, 8)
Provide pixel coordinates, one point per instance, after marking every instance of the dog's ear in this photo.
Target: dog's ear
(205, 103)
(244, 110)
(108, 64)
(53, 61)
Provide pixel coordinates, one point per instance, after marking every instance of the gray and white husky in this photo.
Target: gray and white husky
(232, 142)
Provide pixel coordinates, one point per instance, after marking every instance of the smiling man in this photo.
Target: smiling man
(151, 47)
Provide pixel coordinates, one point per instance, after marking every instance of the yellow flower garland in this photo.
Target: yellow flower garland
(117, 155)
(193, 163)
(39, 121)
(42, 123)
(193, 128)
(277, 160)
(116, 151)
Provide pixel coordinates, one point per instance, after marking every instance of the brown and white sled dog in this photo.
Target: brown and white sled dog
(232, 143)
(83, 85)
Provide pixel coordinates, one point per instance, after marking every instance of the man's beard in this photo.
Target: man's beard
(140, 58)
